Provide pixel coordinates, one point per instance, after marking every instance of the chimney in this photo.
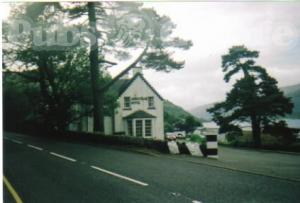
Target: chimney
(137, 70)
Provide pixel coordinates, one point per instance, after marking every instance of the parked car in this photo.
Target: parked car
(175, 134)
(180, 134)
(170, 136)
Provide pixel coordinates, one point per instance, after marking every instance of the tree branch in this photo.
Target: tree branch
(133, 64)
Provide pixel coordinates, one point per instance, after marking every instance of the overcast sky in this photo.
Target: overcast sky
(271, 28)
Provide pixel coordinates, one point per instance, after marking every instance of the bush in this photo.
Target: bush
(279, 129)
(200, 139)
(233, 135)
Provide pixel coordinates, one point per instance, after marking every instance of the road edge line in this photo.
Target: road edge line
(12, 190)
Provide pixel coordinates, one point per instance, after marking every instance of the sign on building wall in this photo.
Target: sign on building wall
(138, 100)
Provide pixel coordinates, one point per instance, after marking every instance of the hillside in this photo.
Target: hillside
(200, 112)
(174, 110)
(293, 92)
(290, 91)
(174, 114)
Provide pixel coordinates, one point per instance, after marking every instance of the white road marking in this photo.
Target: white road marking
(35, 147)
(62, 156)
(120, 176)
(16, 141)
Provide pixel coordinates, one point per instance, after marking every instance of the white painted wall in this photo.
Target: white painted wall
(108, 130)
(139, 88)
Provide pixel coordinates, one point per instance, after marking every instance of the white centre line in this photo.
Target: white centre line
(120, 176)
(63, 157)
(35, 147)
(16, 141)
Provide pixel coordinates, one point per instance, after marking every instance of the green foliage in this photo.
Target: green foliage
(20, 101)
(65, 75)
(127, 26)
(188, 125)
(239, 59)
(280, 129)
(294, 93)
(198, 139)
(175, 116)
(254, 97)
(232, 136)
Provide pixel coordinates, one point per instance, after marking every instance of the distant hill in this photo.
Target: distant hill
(292, 91)
(200, 112)
(175, 110)
(174, 114)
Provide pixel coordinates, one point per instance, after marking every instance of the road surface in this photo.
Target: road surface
(43, 170)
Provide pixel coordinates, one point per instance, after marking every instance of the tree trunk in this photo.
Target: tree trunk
(256, 131)
(94, 67)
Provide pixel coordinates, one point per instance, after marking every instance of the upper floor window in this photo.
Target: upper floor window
(127, 104)
(151, 103)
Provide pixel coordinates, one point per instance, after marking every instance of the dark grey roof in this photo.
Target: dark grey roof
(139, 114)
(120, 85)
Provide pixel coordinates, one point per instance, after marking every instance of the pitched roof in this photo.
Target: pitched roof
(139, 114)
(119, 86)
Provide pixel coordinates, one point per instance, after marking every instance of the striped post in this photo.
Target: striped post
(212, 145)
(173, 147)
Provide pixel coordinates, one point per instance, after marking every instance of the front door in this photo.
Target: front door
(139, 128)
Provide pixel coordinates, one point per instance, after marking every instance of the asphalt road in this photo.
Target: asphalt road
(43, 170)
(282, 165)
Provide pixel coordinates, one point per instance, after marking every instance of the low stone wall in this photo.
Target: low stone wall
(190, 148)
(115, 139)
(172, 147)
(209, 150)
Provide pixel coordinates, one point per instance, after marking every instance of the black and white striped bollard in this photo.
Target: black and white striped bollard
(212, 145)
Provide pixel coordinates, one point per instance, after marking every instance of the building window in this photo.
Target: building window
(148, 128)
(127, 103)
(151, 103)
(129, 126)
(139, 128)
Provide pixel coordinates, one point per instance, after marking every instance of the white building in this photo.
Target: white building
(140, 110)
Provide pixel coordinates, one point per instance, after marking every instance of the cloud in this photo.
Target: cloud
(271, 28)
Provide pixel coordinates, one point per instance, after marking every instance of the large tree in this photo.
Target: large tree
(121, 27)
(61, 72)
(110, 29)
(254, 97)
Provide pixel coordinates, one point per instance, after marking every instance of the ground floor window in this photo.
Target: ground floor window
(148, 128)
(139, 127)
(129, 124)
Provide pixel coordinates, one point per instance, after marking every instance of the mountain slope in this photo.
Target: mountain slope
(292, 91)
(200, 111)
(175, 111)
(174, 114)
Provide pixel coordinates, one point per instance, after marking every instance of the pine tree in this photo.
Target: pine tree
(254, 97)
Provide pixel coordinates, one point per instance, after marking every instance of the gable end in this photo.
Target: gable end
(147, 83)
